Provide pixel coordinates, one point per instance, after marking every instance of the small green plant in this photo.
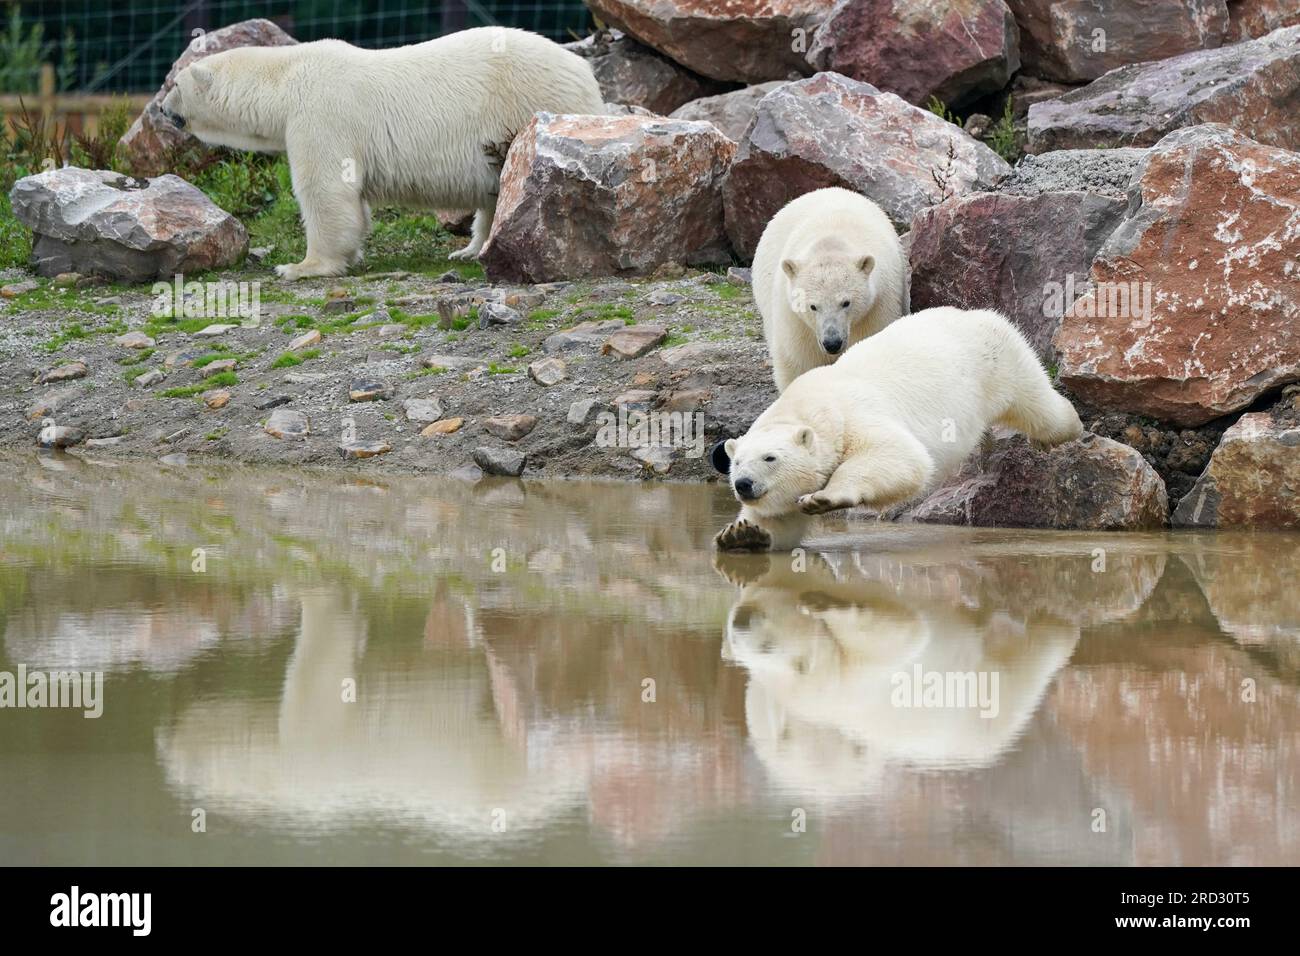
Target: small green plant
(940, 109)
(1002, 137)
(222, 380)
(518, 351)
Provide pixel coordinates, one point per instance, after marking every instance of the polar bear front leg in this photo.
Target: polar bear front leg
(893, 467)
(334, 215)
(479, 233)
(749, 532)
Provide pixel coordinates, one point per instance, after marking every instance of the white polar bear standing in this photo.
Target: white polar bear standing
(425, 125)
(828, 272)
(891, 419)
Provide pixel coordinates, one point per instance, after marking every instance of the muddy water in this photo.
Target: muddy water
(318, 668)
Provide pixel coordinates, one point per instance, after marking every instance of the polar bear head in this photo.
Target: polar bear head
(831, 294)
(231, 99)
(773, 465)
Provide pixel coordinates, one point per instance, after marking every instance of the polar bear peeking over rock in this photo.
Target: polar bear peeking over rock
(426, 125)
(828, 272)
(895, 416)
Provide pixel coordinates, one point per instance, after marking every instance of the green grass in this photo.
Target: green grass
(15, 238)
(133, 373)
(729, 291)
(518, 351)
(216, 435)
(140, 356)
(291, 359)
(539, 317)
(223, 380)
(495, 369)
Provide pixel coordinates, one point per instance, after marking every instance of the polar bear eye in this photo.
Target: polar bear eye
(813, 307)
(769, 457)
(844, 304)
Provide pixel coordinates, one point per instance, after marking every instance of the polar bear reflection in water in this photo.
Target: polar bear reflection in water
(833, 654)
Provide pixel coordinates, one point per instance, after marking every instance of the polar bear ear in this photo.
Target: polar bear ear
(791, 267)
(202, 77)
(803, 436)
(867, 263)
(730, 446)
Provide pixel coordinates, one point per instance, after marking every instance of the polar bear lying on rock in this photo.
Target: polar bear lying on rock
(426, 125)
(828, 272)
(895, 416)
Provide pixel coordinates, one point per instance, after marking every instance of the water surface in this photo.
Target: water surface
(328, 669)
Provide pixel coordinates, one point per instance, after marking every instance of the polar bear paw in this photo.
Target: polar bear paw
(306, 269)
(818, 503)
(743, 535)
(469, 252)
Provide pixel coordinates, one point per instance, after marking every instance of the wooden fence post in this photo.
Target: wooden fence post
(47, 93)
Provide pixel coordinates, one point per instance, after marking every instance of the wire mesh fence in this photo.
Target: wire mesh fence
(118, 46)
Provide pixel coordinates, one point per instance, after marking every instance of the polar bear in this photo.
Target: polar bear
(828, 272)
(424, 125)
(891, 419)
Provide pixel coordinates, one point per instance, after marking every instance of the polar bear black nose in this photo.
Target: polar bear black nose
(745, 487)
(832, 344)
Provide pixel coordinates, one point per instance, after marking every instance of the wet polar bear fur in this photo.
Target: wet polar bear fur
(828, 272)
(425, 125)
(896, 415)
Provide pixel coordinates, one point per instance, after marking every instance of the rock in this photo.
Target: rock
(632, 74)
(273, 401)
(447, 361)
(507, 462)
(730, 112)
(1017, 250)
(422, 410)
(833, 131)
(635, 341)
(742, 41)
(494, 313)
(287, 424)
(1251, 480)
(177, 459)
(148, 379)
(50, 403)
(370, 391)
(1195, 310)
(391, 329)
(15, 289)
(220, 366)
(686, 400)
(740, 275)
(952, 50)
(257, 253)
(657, 458)
(585, 196)
(306, 340)
(131, 230)
(442, 427)
(367, 449)
(695, 353)
(183, 357)
(104, 442)
(63, 373)
(305, 378)
(1077, 40)
(510, 427)
(1092, 484)
(216, 399)
(59, 436)
(547, 372)
(1254, 87)
(581, 336)
(664, 297)
(1254, 18)
(134, 340)
(152, 137)
(638, 399)
(580, 411)
(214, 330)
(339, 306)
(65, 280)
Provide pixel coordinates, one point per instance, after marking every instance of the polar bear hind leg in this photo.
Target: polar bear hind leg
(479, 233)
(1034, 408)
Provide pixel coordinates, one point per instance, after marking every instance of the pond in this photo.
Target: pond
(299, 666)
